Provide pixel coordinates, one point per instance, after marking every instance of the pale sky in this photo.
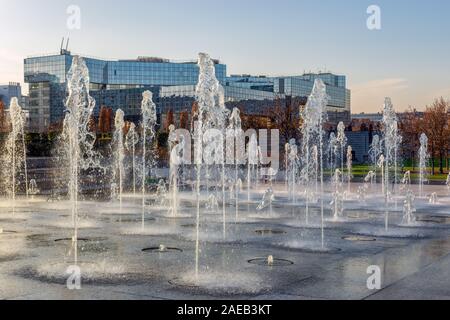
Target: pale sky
(408, 59)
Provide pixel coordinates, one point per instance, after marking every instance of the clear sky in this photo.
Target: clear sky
(408, 59)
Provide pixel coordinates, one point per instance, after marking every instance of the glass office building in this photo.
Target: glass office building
(9, 91)
(248, 88)
(110, 80)
(120, 84)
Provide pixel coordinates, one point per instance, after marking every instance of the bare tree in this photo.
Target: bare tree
(436, 127)
(410, 126)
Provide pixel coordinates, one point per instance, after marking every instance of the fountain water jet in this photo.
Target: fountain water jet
(337, 202)
(332, 152)
(433, 198)
(293, 159)
(131, 141)
(33, 189)
(176, 147)
(380, 165)
(342, 141)
(148, 110)
(267, 201)
(349, 167)
(235, 131)
(119, 170)
(409, 209)
(423, 161)
(16, 155)
(314, 115)
(253, 160)
(211, 114)
(406, 181)
(79, 140)
(391, 139)
(447, 183)
(375, 152)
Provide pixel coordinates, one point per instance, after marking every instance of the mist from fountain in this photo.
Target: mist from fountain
(212, 204)
(362, 193)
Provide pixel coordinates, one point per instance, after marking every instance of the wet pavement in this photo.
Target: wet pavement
(121, 259)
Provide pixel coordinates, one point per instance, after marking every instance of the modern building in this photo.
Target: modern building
(374, 117)
(120, 83)
(360, 141)
(10, 90)
(245, 87)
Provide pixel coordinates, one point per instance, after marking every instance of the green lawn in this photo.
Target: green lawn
(360, 171)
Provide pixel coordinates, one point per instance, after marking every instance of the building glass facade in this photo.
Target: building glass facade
(116, 84)
(120, 84)
(8, 91)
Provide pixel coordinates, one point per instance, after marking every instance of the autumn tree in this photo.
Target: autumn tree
(105, 120)
(2, 117)
(285, 117)
(184, 120)
(253, 121)
(436, 127)
(169, 120)
(126, 127)
(194, 114)
(410, 125)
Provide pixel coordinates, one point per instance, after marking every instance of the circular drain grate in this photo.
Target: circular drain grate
(434, 219)
(358, 215)
(70, 240)
(274, 263)
(189, 225)
(7, 232)
(269, 232)
(182, 284)
(162, 249)
(359, 238)
(80, 239)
